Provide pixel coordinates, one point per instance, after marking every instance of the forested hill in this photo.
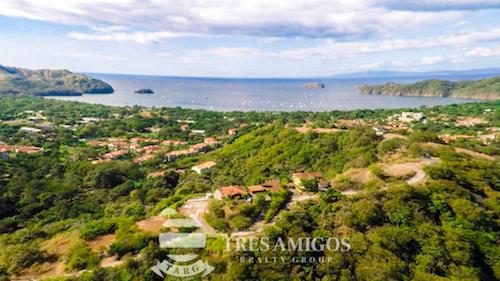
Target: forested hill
(479, 89)
(49, 82)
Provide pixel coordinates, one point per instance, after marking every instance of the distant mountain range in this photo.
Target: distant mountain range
(48, 82)
(475, 73)
(479, 89)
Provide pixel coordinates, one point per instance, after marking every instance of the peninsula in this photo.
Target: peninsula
(487, 89)
(49, 82)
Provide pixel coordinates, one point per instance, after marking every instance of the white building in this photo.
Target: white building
(29, 130)
(411, 116)
(204, 167)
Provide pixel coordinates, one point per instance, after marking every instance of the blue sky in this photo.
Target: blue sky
(250, 38)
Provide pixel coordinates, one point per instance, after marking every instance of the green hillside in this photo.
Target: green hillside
(478, 89)
(48, 82)
(64, 216)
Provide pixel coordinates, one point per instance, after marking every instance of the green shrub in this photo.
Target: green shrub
(390, 145)
(21, 256)
(80, 256)
(96, 228)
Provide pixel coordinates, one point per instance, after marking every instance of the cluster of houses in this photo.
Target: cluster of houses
(5, 149)
(147, 148)
(207, 145)
(239, 191)
(298, 179)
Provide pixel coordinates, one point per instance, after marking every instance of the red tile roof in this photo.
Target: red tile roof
(232, 190)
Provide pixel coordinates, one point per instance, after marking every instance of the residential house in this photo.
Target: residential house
(207, 145)
(185, 121)
(143, 140)
(153, 129)
(232, 191)
(198, 132)
(210, 141)
(115, 154)
(118, 144)
(299, 179)
(30, 130)
(253, 189)
(143, 158)
(27, 149)
(204, 167)
(410, 116)
(151, 149)
(204, 147)
(174, 142)
(88, 120)
(450, 138)
(488, 138)
(96, 143)
(134, 147)
(176, 154)
(269, 186)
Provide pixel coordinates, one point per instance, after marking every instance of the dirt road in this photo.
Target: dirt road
(196, 208)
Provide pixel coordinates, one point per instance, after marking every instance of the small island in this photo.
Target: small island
(49, 82)
(487, 89)
(144, 91)
(314, 85)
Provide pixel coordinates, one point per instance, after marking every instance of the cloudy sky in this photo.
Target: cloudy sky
(250, 38)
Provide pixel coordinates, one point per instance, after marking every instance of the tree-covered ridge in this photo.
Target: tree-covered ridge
(47, 82)
(275, 152)
(480, 89)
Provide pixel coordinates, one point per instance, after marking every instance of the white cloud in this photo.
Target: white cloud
(92, 56)
(234, 52)
(110, 29)
(483, 52)
(189, 57)
(369, 66)
(334, 49)
(440, 5)
(430, 60)
(331, 50)
(138, 37)
(164, 55)
(264, 18)
(270, 40)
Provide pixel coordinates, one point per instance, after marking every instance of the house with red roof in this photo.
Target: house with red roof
(231, 191)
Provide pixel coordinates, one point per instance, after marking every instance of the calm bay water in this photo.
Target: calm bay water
(252, 94)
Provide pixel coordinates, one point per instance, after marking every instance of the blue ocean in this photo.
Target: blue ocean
(233, 94)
